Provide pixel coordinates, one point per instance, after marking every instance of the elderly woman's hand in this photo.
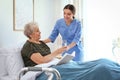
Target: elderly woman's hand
(61, 50)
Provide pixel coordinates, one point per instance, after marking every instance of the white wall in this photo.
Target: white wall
(46, 13)
(7, 35)
(101, 25)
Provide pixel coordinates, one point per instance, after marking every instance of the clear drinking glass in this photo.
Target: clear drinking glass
(64, 42)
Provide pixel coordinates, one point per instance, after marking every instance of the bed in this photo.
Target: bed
(11, 63)
(101, 69)
(12, 66)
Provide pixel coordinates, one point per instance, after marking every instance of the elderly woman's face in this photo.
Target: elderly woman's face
(36, 34)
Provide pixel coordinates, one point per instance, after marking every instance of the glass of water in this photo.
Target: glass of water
(64, 42)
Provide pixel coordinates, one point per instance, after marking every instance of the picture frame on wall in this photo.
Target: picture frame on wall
(23, 12)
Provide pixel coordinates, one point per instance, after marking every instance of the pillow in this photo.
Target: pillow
(8, 78)
(3, 55)
(14, 62)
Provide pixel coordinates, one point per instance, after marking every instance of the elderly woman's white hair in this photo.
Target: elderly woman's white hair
(29, 28)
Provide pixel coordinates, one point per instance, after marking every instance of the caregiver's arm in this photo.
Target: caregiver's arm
(47, 40)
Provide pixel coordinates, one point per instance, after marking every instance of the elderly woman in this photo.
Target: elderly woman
(36, 52)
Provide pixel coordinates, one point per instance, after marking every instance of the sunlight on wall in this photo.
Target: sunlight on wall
(101, 26)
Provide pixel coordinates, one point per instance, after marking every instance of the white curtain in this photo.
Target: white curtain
(98, 26)
(101, 26)
(78, 6)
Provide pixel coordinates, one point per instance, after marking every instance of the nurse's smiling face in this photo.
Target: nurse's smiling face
(68, 15)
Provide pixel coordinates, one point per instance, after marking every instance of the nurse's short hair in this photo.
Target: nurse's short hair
(29, 28)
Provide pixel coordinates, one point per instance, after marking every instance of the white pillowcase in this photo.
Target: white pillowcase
(3, 55)
(14, 62)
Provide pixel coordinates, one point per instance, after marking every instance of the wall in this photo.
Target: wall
(101, 25)
(46, 13)
(7, 35)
